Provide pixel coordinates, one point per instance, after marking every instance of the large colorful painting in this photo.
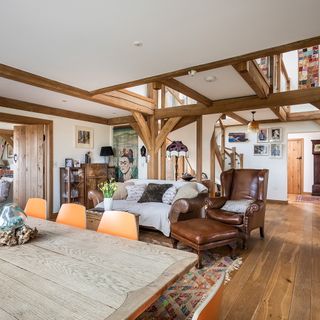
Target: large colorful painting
(308, 64)
(125, 144)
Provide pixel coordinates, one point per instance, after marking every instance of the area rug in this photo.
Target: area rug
(181, 299)
(302, 198)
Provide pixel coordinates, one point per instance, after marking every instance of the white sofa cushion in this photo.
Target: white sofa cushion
(169, 195)
(135, 192)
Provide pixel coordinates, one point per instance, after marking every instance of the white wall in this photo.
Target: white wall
(277, 188)
(308, 157)
(64, 144)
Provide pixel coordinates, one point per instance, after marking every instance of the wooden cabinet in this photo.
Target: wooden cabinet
(76, 182)
(316, 167)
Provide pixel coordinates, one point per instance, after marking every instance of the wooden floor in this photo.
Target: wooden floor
(280, 275)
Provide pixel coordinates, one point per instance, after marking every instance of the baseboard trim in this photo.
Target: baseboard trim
(307, 193)
(277, 201)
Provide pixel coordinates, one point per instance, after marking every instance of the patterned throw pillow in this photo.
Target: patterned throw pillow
(237, 206)
(135, 192)
(154, 192)
(187, 191)
(121, 192)
(169, 195)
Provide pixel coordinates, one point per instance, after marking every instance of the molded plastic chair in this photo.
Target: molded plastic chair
(73, 215)
(36, 208)
(119, 223)
(209, 309)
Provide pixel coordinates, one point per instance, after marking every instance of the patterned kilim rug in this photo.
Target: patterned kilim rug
(302, 198)
(181, 299)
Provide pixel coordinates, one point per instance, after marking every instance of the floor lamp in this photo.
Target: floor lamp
(177, 149)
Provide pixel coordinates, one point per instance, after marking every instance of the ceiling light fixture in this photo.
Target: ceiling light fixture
(253, 125)
(210, 78)
(138, 43)
(192, 72)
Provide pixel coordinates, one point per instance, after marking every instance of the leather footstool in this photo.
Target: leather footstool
(203, 234)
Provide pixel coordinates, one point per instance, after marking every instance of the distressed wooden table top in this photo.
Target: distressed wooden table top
(68, 273)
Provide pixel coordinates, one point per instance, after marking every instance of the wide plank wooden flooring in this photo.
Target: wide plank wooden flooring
(280, 275)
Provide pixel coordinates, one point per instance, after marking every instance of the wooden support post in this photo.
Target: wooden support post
(213, 161)
(233, 158)
(241, 160)
(199, 148)
(163, 162)
(222, 144)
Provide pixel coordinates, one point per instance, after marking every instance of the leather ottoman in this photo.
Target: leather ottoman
(203, 234)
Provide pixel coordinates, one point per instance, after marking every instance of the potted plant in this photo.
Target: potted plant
(108, 189)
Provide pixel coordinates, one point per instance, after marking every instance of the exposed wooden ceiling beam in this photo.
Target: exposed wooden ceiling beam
(252, 74)
(145, 130)
(6, 132)
(244, 103)
(120, 120)
(184, 122)
(304, 116)
(316, 104)
(236, 117)
(318, 122)
(166, 129)
(182, 88)
(33, 107)
(128, 103)
(280, 112)
(216, 64)
(14, 118)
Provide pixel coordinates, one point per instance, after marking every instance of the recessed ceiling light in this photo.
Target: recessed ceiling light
(192, 72)
(210, 78)
(137, 43)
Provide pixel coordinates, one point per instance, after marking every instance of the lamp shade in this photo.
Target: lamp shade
(253, 125)
(106, 151)
(178, 149)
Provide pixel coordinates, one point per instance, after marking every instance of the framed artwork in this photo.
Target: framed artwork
(9, 151)
(68, 163)
(275, 134)
(276, 150)
(308, 67)
(125, 145)
(83, 137)
(237, 137)
(260, 150)
(263, 136)
(316, 148)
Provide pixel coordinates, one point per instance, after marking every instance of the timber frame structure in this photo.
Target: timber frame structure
(153, 120)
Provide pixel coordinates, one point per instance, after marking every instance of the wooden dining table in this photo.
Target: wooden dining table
(69, 273)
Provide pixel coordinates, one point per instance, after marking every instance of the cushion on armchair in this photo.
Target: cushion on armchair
(237, 206)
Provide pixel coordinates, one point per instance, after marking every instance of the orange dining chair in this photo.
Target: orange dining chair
(119, 223)
(209, 309)
(73, 215)
(36, 208)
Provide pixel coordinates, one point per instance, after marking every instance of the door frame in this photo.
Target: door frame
(24, 120)
(302, 162)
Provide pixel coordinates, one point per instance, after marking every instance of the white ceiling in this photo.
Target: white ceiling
(89, 44)
(261, 114)
(228, 83)
(25, 92)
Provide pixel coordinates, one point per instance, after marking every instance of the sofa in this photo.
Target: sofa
(159, 215)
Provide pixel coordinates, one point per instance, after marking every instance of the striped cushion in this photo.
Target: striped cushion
(135, 192)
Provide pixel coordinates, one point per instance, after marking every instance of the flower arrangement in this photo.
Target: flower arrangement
(108, 188)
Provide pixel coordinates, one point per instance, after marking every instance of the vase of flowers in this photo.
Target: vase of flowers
(108, 189)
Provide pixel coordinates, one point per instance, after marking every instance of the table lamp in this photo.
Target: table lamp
(177, 149)
(106, 152)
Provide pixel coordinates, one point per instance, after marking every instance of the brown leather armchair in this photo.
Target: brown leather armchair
(238, 184)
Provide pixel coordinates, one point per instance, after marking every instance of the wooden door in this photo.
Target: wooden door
(295, 166)
(29, 159)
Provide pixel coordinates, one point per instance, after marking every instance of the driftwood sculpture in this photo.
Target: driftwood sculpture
(18, 236)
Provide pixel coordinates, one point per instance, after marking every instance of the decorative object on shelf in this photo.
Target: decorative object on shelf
(76, 163)
(263, 136)
(177, 149)
(237, 137)
(106, 152)
(187, 177)
(253, 125)
(9, 151)
(275, 134)
(68, 163)
(308, 65)
(13, 228)
(143, 151)
(108, 189)
(83, 137)
(276, 150)
(87, 157)
(260, 150)
(316, 167)
(125, 146)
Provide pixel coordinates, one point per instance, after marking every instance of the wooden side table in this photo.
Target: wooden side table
(94, 216)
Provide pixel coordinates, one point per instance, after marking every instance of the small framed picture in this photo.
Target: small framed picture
(260, 150)
(83, 137)
(275, 134)
(76, 163)
(9, 151)
(68, 163)
(316, 148)
(237, 137)
(276, 150)
(262, 136)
